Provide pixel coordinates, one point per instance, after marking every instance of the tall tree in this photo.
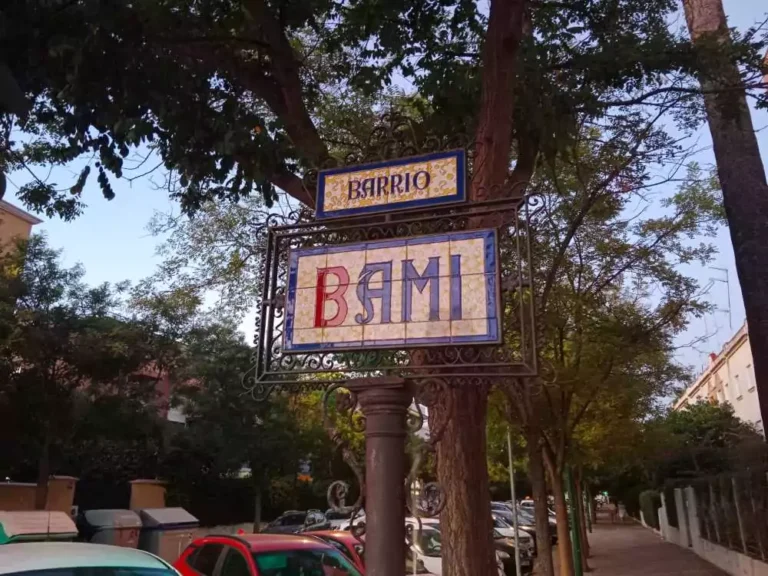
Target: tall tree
(228, 432)
(610, 293)
(61, 343)
(741, 172)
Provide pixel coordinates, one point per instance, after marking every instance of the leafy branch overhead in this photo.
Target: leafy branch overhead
(229, 94)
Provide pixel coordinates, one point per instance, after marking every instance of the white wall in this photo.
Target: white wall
(727, 560)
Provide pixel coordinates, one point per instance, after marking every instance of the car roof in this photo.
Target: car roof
(28, 556)
(277, 542)
(340, 535)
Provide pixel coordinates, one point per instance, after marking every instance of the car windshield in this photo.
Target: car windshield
(304, 563)
(429, 542)
(499, 522)
(96, 571)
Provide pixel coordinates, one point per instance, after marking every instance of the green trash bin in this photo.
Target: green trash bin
(36, 526)
(115, 527)
(166, 532)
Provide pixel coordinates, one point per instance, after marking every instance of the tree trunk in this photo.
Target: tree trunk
(462, 468)
(43, 473)
(742, 177)
(536, 474)
(564, 548)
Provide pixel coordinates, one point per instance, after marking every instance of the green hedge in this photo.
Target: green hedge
(650, 502)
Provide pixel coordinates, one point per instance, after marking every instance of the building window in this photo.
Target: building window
(750, 379)
(737, 387)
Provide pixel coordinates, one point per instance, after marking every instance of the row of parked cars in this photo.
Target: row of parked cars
(424, 537)
(308, 543)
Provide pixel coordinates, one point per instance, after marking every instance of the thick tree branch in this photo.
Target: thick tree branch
(293, 186)
(287, 101)
(493, 137)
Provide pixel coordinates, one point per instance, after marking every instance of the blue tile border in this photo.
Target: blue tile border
(460, 196)
(492, 336)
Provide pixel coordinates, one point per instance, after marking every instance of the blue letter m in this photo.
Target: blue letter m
(431, 276)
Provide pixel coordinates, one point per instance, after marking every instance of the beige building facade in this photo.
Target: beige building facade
(14, 223)
(730, 377)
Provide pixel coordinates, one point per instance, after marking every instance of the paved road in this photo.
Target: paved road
(631, 550)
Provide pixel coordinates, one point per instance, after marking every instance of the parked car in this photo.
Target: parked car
(79, 558)
(524, 540)
(527, 504)
(355, 550)
(427, 545)
(530, 507)
(505, 551)
(294, 521)
(263, 555)
(530, 520)
(525, 521)
(502, 510)
(428, 548)
(342, 520)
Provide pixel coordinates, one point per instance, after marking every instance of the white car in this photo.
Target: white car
(427, 546)
(73, 558)
(341, 520)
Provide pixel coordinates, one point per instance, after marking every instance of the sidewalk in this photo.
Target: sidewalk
(631, 550)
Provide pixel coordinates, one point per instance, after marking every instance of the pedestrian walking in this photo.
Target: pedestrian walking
(622, 512)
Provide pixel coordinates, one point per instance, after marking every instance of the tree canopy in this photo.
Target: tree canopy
(228, 95)
(63, 346)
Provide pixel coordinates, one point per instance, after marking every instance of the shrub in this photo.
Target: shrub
(650, 502)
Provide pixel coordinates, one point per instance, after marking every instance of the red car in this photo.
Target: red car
(355, 550)
(345, 542)
(263, 555)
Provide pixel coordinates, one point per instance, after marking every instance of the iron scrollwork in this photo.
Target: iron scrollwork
(514, 357)
(433, 369)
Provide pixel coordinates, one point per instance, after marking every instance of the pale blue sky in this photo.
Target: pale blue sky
(111, 241)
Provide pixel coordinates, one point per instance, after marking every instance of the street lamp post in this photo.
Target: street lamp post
(384, 402)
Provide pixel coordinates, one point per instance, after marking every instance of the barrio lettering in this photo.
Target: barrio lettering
(394, 293)
(429, 180)
(391, 184)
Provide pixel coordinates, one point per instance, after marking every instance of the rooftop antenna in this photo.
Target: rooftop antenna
(727, 283)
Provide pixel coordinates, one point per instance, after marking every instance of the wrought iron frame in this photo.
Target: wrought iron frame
(429, 371)
(515, 356)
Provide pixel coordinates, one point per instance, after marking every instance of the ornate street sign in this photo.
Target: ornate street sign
(415, 295)
(395, 290)
(399, 293)
(386, 186)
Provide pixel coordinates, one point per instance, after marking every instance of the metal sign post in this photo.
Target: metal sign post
(514, 501)
(396, 290)
(384, 403)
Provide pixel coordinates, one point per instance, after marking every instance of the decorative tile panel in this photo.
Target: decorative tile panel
(408, 292)
(432, 179)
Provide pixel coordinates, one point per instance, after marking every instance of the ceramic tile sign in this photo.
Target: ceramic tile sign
(409, 292)
(392, 185)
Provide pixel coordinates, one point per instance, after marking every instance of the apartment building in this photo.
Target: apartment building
(14, 223)
(729, 377)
